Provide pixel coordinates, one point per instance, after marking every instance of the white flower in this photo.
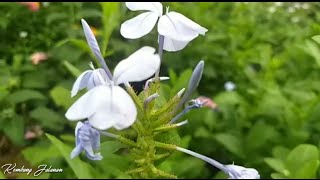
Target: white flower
(239, 172)
(177, 29)
(229, 86)
(89, 79)
(107, 105)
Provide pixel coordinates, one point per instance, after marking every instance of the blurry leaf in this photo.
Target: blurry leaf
(14, 129)
(231, 143)
(80, 168)
(90, 13)
(308, 171)
(312, 50)
(316, 38)
(42, 153)
(260, 135)
(61, 96)
(34, 80)
(278, 176)
(280, 152)
(110, 147)
(25, 95)
(80, 43)
(276, 164)
(228, 98)
(3, 93)
(72, 69)
(300, 157)
(110, 19)
(48, 118)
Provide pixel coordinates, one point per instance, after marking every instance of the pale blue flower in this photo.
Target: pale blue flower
(87, 139)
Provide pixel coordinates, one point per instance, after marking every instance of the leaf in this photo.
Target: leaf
(80, 168)
(276, 164)
(312, 50)
(110, 147)
(72, 69)
(307, 171)
(25, 95)
(278, 176)
(61, 96)
(48, 118)
(231, 143)
(14, 129)
(43, 153)
(260, 135)
(300, 156)
(280, 152)
(110, 20)
(316, 38)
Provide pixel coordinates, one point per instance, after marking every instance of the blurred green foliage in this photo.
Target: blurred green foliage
(270, 121)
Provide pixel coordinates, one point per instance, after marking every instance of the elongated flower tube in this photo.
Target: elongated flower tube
(233, 171)
(87, 139)
(108, 105)
(193, 83)
(176, 29)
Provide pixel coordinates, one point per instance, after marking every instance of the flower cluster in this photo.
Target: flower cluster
(107, 105)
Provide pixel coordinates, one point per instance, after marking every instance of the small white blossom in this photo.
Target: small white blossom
(23, 34)
(177, 29)
(229, 86)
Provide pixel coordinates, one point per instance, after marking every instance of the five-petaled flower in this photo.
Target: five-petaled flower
(107, 104)
(87, 139)
(177, 29)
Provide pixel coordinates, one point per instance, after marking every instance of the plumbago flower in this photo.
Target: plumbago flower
(106, 104)
(176, 29)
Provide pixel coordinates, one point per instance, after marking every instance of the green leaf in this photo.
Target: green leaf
(280, 152)
(25, 95)
(110, 147)
(316, 38)
(42, 154)
(307, 171)
(72, 69)
(48, 118)
(260, 135)
(110, 20)
(61, 96)
(276, 164)
(231, 143)
(278, 176)
(312, 50)
(14, 129)
(81, 169)
(301, 156)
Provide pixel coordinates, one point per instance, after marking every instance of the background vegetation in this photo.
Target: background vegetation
(270, 121)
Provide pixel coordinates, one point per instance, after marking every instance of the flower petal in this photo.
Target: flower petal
(87, 104)
(119, 110)
(178, 27)
(89, 151)
(151, 6)
(173, 45)
(139, 26)
(81, 82)
(95, 135)
(94, 46)
(139, 66)
(76, 151)
(79, 125)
